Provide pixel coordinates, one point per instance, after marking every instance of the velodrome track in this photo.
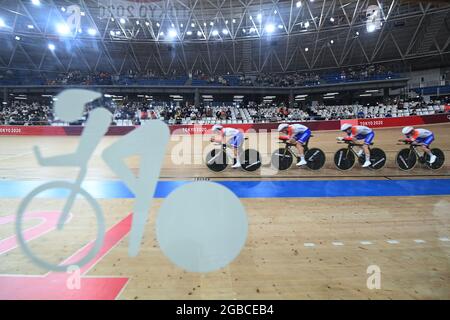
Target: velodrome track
(306, 241)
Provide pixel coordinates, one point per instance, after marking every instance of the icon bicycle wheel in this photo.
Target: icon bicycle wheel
(60, 185)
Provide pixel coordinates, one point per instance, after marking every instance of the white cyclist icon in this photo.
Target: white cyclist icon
(201, 226)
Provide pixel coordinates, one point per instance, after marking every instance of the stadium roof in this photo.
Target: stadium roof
(220, 36)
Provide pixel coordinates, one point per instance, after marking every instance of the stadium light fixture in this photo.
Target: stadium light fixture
(82, 13)
(36, 2)
(157, 24)
(17, 38)
(280, 26)
(243, 31)
(371, 28)
(331, 19)
(270, 28)
(2, 23)
(215, 33)
(92, 31)
(172, 25)
(147, 23)
(306, 24)
(306, 49)
(137, 22)
(226, 21)
(211, 23)
(298, 4)
(112, 33)
(172, 33)
(181, 25)
(259, 17)
(275, 12)
(30, 26)
(122, 21)
(234, 20)
(331, 41)
(193, 25)
(225, 31)
(51, 46)
(63, 29)
(252, 30)
(112, 19)
(63, 9)
(251, 18)
(357, 33)
(199, 33)
(189, 33)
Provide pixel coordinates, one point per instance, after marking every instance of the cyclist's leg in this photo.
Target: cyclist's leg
(236, 144)
(367, 141)
(301, 139)
(139, 142)
(425, 145)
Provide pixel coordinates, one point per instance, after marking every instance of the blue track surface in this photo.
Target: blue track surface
(257, 189)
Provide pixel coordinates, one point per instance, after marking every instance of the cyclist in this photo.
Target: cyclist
(236, 140)
(297, 134)
(422, 137)
(355, 133)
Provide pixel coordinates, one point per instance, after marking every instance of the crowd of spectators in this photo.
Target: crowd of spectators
(40, 111)
(294, 79)
(23, 113)
(360, 73)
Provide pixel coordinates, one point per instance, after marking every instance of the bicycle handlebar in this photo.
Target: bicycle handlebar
(352, 143)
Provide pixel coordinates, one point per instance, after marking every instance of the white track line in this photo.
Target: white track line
(309, 244)
(393, 241)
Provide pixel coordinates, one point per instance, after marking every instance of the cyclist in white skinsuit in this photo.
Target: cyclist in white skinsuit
(360, 133)
(422, 137)
(297, 134)
(236, 141)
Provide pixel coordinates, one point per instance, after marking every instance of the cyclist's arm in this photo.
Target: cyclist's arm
(95, 128)
(66, 160)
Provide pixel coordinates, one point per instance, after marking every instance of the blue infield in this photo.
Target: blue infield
(255, 189)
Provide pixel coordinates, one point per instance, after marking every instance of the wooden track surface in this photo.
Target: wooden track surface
(278, 261)
(18, 161)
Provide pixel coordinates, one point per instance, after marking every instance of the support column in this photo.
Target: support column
(5, 95)
(197, 98)
(291, 99)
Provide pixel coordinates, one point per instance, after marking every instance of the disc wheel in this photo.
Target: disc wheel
(344, 159)
(406, 159)
(282, 159)
(377, 158)
(440, 159)
(251, 160)
(315, 159)
(216, 160)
